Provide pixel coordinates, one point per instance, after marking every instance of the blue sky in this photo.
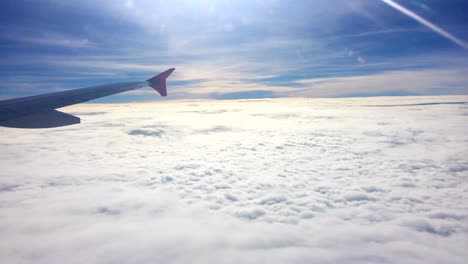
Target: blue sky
(236, 49)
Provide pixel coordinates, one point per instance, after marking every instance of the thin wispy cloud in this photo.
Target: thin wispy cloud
(410, 82)
(50, 39)
(383, 32)
(427, 23)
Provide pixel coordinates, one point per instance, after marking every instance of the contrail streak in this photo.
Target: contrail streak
(426, 23)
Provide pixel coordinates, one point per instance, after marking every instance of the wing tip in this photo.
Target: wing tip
(158, 82)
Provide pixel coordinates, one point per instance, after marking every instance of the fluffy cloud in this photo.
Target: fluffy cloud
(273, 181)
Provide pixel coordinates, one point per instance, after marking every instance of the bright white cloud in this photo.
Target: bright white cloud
(276, 181)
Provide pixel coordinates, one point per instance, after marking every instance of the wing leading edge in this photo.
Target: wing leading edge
(39, 111)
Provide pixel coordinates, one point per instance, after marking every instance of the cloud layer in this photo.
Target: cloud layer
(269, 181)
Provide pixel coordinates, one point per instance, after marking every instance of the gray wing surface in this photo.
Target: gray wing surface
(39, 111)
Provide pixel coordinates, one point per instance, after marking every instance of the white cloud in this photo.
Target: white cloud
(276, 181)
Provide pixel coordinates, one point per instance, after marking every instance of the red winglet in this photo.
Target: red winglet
(158, 82)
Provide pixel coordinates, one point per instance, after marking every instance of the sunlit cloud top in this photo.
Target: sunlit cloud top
(235, 49)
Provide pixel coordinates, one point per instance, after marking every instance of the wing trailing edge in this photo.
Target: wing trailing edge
(44, 119)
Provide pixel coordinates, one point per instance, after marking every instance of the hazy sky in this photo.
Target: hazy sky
(236, 49)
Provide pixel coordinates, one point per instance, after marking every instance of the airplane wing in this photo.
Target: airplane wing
(39, 111)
